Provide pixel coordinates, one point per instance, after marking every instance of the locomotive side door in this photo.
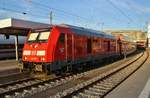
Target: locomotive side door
(106, 46)
(69, 43)
(89, 45)
(120, 46)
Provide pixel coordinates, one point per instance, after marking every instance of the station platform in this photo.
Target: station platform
(8, 67)
(136, 86)
(8, 64)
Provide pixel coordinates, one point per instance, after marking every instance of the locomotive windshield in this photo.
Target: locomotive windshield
(41, 36)
(33, 36)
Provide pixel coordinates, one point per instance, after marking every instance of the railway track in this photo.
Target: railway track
(29, 89)
(11, 87)
(99, 87)
(14, 76)
(31, 86)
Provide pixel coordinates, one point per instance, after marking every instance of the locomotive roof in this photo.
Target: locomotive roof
(89, 32)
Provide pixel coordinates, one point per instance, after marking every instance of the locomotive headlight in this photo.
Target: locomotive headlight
(43, 59)
(25, 58)
(40, 53)
(26, 52)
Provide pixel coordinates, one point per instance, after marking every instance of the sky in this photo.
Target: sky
(94, 14)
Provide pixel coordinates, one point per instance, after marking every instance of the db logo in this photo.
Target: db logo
(33, 52)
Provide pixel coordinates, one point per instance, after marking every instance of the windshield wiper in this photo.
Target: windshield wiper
(42, 40)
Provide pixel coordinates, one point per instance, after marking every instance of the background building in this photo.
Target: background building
(148, 35)
(136, 35)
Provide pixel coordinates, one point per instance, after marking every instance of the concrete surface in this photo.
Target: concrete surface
(8, 64)
(133, 86)
(146, 91)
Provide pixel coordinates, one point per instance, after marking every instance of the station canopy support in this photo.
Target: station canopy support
(16, 46)
(18, 27)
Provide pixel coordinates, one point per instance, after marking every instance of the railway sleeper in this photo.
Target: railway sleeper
(89, 92)
(100, 87)
(104, 84)
(85, 95)
(96, 89)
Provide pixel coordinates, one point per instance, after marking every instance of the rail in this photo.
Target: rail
(100, 87)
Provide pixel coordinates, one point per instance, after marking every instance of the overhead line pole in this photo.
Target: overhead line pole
(16, 47)
(51, 17)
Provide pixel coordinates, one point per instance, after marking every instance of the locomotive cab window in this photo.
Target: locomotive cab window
(33, 36)
(44, 35)
(39, 36)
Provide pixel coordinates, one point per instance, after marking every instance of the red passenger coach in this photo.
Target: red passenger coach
(141, 44)
(64, 47)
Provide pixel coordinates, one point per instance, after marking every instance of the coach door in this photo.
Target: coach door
(89, 46)
(69, 43)
(108, 46)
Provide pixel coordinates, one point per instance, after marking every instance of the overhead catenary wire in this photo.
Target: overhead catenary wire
(135, 11)
(22, 12)
(45, 17)
(122, 12)
(18, 11)
(42, 14)
(66, 13)
(58, 10)
(46, 13)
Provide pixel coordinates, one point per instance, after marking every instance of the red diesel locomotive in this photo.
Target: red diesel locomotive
(65, 47)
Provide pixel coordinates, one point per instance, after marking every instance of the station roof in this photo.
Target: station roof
(20, 27)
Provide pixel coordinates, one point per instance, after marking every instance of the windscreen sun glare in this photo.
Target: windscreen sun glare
(33, 36)
(44, 35)
(39, 36)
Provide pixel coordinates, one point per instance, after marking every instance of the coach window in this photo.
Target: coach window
(62, 38)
